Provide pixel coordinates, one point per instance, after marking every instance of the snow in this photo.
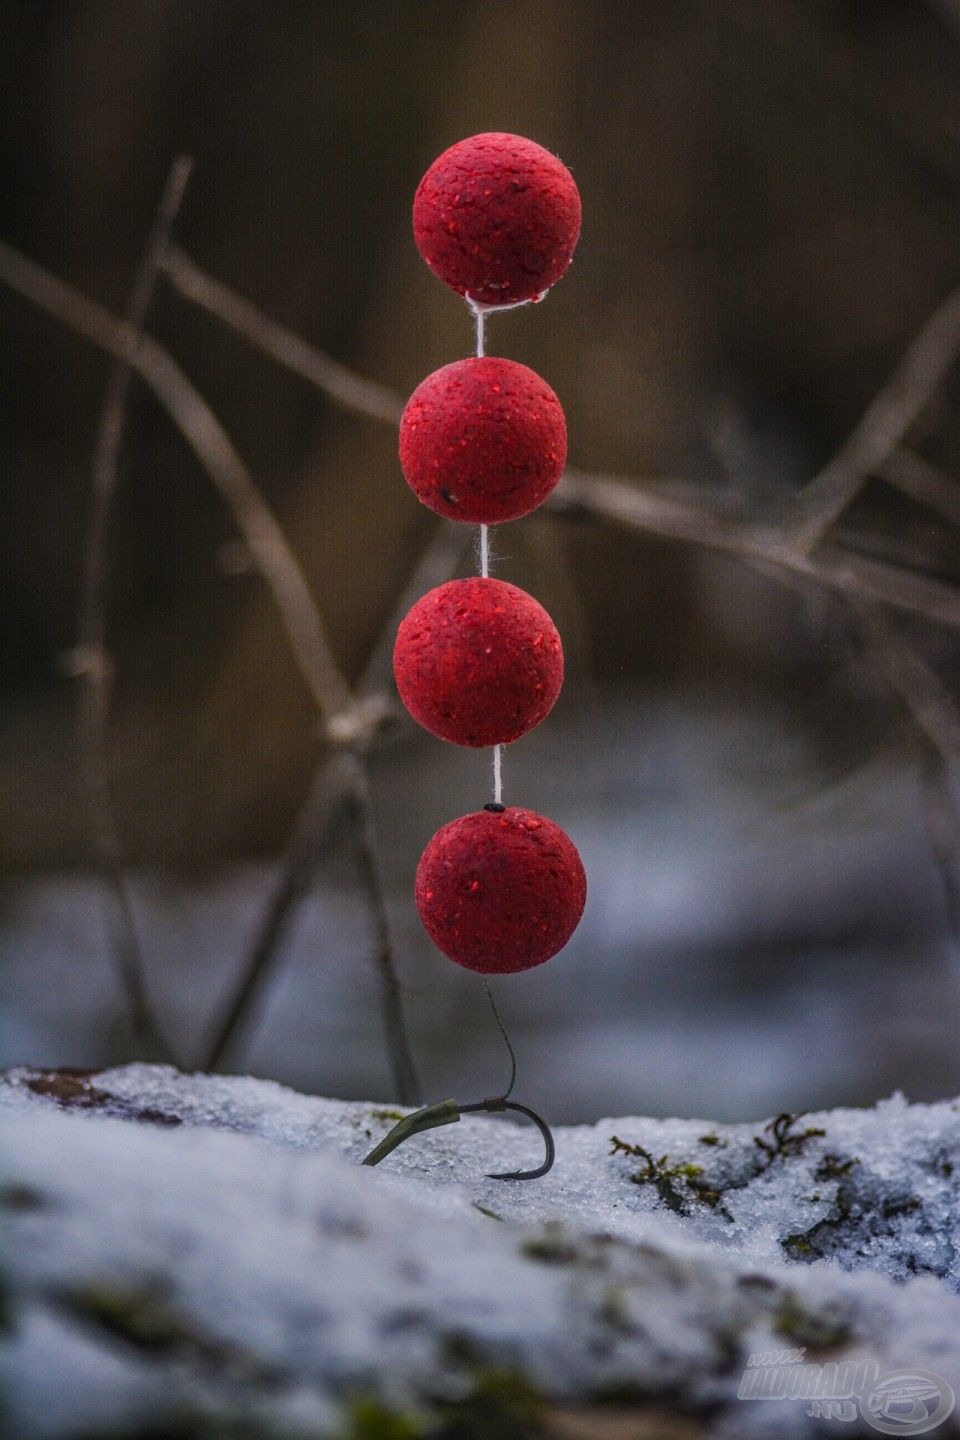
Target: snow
(201, 1251)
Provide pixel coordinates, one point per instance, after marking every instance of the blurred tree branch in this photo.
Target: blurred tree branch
(866, 584)
(643, 507)
(915, 681)
(217, 454)
(339, 784)
(937, 725)
(793, 552)
(922, 482)
(91, 658)
(882, 426)
(345, 721)
(832, 567)
(352, 391)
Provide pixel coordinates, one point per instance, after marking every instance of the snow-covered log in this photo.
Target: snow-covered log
(204, 1255)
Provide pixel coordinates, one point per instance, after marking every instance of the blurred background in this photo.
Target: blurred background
(771, 192)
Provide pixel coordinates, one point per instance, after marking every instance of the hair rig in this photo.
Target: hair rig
(478, 662)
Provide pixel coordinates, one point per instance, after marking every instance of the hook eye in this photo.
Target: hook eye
(498, 1104)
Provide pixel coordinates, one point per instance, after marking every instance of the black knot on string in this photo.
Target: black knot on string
(495, 806)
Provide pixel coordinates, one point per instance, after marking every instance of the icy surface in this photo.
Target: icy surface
(161, 1274)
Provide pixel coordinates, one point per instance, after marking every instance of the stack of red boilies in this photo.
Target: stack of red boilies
(479, 662)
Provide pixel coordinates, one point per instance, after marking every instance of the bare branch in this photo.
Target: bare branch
(319, 823)
(937, 724)
(340, 788)
(95, 664)
(212, 446)
(917, 684)
(338, 778)
(855, 577)
(923, 482)
(833, 568)
(883, 425)
(343, 386)
(268, 547)
(645, 508)
(632, 503)
(398, 1046)
(943, 832)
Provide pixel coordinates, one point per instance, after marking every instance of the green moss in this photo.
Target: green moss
(140, 1317)
(832, 1167)
(899, 1205)
(615, 1309)
(551, 1246)
(780, 1138)
(676, 1183)
(369, 1419)
(392, 1115)
(501, 1404)
(143, 1318)
(817, 1330)
(680, 1182)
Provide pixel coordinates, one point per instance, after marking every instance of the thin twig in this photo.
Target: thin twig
(937, 725)
(261, 533)
(943, 832)
(639, 505)
(398, 1046)
(883, 425)
(329, 800)
(620, 499)
(339, 787)
(93, 660)
(919, 687)
(923, 482)
(833, 567)
(354, 392)
(319, 824)
(872, 445)
(855, 577)
(210, 443)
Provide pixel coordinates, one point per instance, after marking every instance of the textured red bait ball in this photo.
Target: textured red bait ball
(478, 662)
(483, 440)
(497, 217)
(500, 892)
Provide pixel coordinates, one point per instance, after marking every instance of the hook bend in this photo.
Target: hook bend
(447, 1112)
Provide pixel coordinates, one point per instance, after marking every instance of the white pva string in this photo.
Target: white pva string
(480, 316)
(480, 319)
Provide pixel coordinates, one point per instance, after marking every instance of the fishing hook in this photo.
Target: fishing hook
(448, 1112)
